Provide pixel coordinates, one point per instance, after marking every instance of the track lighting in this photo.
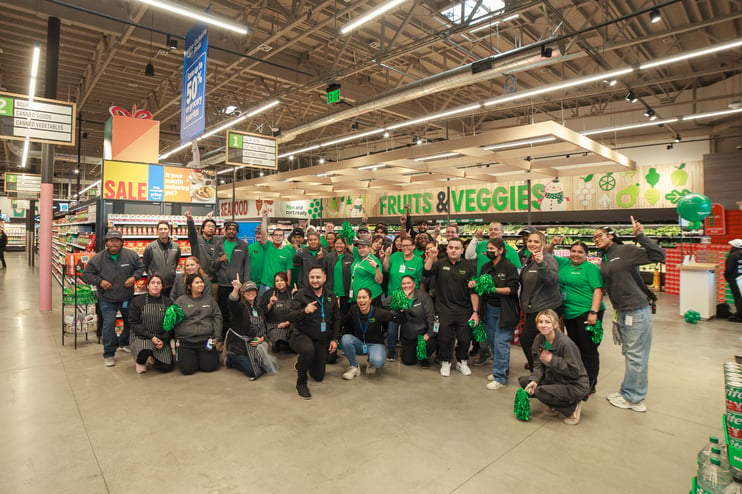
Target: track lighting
(149, 70)
(649, 113)
(172, 43)
(678, 138)
(386, 135)
(546, 51)
(321, 161)
(655, 16)
(631, 97)
(419, 141)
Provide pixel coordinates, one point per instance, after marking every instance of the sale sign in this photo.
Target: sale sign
(126, 181)
(193, 98)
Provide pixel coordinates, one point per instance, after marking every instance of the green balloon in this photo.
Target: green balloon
(694, 225)
(694, 207)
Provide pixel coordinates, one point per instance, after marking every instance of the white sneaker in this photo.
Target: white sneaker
(613, 396)
(109, 361)
(490, 377)
(352, 372)
(463, 368)
(620, 402)
(125, 348)
(574, 419)
(445, 369)
(495, 385)
(141, 368)
(370, 370)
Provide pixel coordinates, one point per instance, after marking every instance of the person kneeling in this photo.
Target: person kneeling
(364, 334)
(150, 343)
(558, 379)
(196, 335)
(244, 342)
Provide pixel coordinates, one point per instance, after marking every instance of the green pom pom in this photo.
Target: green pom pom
(692, 317)
(173, 315)
(597, 331)
(479, 332)
(346, 231)
(484, 284)
(400, 301)
(422, 348)
(522, 405)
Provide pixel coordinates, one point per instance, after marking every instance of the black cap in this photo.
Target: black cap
(231, 223)
(296, 231)
(527, 229)
(114, 234)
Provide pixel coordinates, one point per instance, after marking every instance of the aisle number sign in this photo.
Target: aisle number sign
(41, 120)
(193, 100)
(251, 150)
(22, 185)
(146, 182)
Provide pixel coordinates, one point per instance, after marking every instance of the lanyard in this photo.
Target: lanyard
(363, 327)
(321, 301)
(358, 264)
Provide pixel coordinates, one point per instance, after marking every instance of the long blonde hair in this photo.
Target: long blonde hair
(555, 321)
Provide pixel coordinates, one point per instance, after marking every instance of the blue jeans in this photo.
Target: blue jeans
(242, 364)
(261, 290)
(353, 346)
(637, 341)
(391, 336)
(111, 342)
(498, 340)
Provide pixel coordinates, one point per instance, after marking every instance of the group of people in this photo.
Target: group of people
(366, 294)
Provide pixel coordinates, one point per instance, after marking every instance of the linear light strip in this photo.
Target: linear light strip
(691, 54)
(372, 14)
(436, 157)
(490, 24)
(628, 127)
(518, 143)
(31, 93)
(94, 184)
(194, 14)
(712, 114)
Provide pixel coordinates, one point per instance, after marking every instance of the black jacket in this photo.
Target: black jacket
(620, 272)
(306, 261)
(375, 318)
(310, 324)
(203, 249)
(238, 264)
(418, 319)
(162, 259)
(539, 285)
(102, 267)
(329, 264)
(733, 266)
(504, 274)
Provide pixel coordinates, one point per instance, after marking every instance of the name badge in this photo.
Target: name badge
(446, 268)
(365, 349)
(322, 327)
(402, 268)
(254, 313)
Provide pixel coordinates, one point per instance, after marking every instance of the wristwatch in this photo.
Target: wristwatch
(593, 312)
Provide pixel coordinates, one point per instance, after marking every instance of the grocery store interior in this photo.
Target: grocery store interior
(562, 114)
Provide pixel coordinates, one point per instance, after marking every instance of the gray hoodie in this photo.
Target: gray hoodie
(103, 267)
(202, 319)
(620, 272)
(539, 285)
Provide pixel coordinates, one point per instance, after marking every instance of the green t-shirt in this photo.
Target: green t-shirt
(323, 241)
(115, 257)
(398, 268)
(228, 248)
(577, 284)
(482, 259)
(276, 260)
(257, 258)
(419, 253)
(362, 275)
(337, 286)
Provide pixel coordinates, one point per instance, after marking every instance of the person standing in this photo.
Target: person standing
(257, 256)
(337, 266)
(231, 259)
(398, 265)
(366, 272)
(328, 228)
(732, 271)
(316, 316)
(114, 271)
(626, 289)
(307, 257)
(3, 246)
(277, 258)
(203, 245)
(539, 289)
(456, 304)
(162, 256)
(477, 248)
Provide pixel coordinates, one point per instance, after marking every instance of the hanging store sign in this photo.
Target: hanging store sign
(252, 150)
(193, 98)
(41, 120)
(148, 182)
(22, 185)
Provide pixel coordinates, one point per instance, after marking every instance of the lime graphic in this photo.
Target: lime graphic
(607, 182)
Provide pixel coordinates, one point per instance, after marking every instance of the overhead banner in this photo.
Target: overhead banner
(254, 208)
(659, 186)
(41, 120)
(193, 98)
(128, 181)
(251, 150)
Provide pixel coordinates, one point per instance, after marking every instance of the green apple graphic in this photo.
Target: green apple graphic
(679, 177)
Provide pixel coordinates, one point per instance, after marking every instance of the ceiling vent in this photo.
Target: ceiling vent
(265, 47)
(374, 44)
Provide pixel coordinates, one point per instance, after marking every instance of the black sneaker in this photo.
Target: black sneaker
(303, 391)
(482, 359)
(474, 349)
(425, 364)
(392, 356)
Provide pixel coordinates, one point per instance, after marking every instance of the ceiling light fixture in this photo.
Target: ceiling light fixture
(628, 127)
(516, 144)
(712, 114)
(321, 161)
(172, 43)
(197, 15)
(35, 57)
(650, 114)
(678, 138)
(546, 52)
(94, 184)
(655, 16)
(386, 135)
(437, 156)
(691, 54)
(419, 141)
(489, 25)
(631, 97)
(374, 13)
(371, 167)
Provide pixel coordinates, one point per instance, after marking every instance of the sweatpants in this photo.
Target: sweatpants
(312, 356)
(409, 350)
(561, 397)
(454, 328)
(529, 334)
(191, 359)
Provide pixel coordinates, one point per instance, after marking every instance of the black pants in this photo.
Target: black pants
(159, 366)
(732, 287)
(191, 359)
(312, 356)
(584, 341)
(409, 350)
(454, 328)
(2, 257)
(561, 397)
(222, 299)
(529, 334)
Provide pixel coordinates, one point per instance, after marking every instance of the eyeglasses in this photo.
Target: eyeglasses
(406, 245)
(598, 236)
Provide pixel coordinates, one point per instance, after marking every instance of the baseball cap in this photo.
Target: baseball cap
(737, 243)
(296, 231)
(249, 285)
(231, 223)
(363, 228)
(363, 241)
(114, 234)
(527, 229)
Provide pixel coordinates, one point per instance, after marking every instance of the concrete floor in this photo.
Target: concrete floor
(72, 425)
